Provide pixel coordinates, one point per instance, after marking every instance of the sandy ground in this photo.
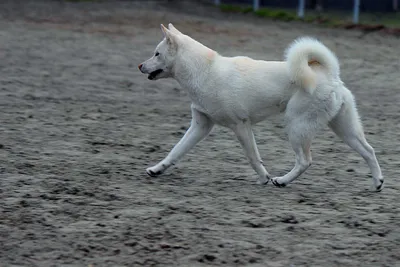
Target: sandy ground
(79, 124)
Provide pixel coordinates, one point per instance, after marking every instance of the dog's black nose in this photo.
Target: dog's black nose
(140, 66)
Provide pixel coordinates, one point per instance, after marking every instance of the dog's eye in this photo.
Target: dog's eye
(157, 54)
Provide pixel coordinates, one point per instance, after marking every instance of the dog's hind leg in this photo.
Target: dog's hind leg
(305, 115)
(200, 127)
(245, 135)
(301, 143)
(347, 126)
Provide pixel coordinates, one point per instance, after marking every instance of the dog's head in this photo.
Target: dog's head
(161, 64)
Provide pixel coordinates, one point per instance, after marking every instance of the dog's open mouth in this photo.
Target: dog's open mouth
(153, 74)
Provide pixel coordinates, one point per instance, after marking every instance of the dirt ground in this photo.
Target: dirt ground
(79, 124)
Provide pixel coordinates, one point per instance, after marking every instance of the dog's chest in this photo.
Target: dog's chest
(207, 102)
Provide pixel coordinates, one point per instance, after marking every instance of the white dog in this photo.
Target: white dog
(237, 92)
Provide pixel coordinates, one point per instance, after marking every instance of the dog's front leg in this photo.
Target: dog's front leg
(200, 127)
(245, 135)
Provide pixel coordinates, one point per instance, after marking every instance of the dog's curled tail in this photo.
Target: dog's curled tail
(304, 56)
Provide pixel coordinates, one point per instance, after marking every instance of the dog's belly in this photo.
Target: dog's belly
(230, 113)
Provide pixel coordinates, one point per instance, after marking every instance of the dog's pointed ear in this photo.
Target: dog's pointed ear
(169, 35)
(173, 29)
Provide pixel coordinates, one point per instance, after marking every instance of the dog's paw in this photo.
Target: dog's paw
(276, 183)
(263, 181)
(152, 173)
(381, 186)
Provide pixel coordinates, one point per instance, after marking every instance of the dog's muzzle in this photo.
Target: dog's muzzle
(152, 74)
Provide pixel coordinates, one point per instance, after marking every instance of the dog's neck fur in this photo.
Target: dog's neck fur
(192, 67)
